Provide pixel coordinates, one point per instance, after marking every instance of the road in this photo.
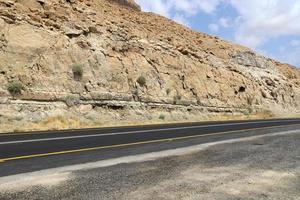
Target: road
(29, 152)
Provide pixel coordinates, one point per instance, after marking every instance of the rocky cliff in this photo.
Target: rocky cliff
(91, 62)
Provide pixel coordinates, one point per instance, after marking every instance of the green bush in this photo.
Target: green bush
(15, 88)
(162, 117)
(141, 80)
(77, 71)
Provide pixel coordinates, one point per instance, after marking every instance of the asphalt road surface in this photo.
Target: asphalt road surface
(29, 152)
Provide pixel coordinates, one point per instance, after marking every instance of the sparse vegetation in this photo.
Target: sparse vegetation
(249, 111)
(141, 80)
(162, 117)
(168, 91)
(135, 92)
(246, 112)
(15, 88)
(77, 71)
(177, 98)
(71, 100)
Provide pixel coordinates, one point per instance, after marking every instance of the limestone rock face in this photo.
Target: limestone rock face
(186, 73)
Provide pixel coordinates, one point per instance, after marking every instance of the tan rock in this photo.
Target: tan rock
(41, 41)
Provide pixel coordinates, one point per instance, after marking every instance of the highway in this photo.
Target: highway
(27, 152)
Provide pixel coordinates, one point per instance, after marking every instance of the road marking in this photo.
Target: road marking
(132, 144)
(141, 131)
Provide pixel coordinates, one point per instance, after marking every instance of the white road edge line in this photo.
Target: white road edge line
(132, 132)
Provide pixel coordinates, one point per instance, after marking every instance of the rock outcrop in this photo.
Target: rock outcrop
(135, 66)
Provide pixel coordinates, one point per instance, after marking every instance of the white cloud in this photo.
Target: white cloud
(182, 8)
(224, 22)
(288, 55)
(295, 43)
(213, 27)
(207, 6)
(260, 20)
(181, 19)
(161, 7)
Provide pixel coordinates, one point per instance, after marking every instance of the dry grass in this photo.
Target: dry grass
(62, 123)
(258, 115)
(51, 123)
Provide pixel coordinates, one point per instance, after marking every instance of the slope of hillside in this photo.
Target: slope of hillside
(67, 63)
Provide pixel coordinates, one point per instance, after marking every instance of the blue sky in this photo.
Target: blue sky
(271, 27)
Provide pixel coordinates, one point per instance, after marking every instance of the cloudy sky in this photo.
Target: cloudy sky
(271, 27)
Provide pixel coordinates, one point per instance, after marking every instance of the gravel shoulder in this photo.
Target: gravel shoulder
(263, 168)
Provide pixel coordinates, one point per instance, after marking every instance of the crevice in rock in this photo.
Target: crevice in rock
(160, 82)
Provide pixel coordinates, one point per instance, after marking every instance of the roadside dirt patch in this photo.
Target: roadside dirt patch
(232, 171)
(17, 183)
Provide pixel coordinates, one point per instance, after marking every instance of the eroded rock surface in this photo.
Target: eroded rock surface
(188, 75)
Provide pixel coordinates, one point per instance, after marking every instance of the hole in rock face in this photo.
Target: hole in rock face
(242, 89)
(115, 107)
(42, 3)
